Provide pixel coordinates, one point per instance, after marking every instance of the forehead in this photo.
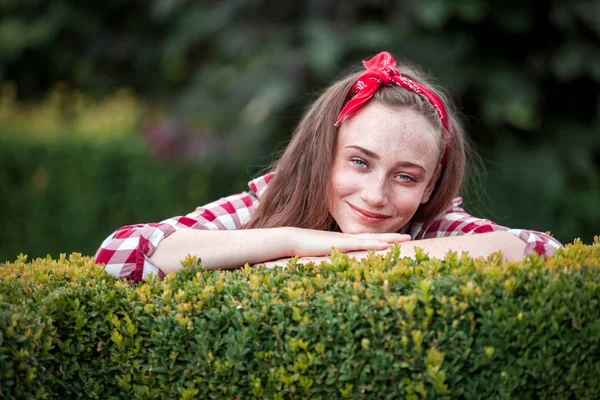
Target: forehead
(398, 132)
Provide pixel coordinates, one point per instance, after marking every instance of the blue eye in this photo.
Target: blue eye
(358, 162)
(406, 178)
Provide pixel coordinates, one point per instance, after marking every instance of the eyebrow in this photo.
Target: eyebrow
(371, 154)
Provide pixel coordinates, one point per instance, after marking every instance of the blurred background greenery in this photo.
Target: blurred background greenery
(120, 112)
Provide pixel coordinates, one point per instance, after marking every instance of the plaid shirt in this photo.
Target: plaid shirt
(126, 252)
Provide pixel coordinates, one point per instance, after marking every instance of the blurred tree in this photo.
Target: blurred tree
(527, 75)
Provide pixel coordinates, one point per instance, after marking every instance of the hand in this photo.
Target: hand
(282, 262)
(314, 243)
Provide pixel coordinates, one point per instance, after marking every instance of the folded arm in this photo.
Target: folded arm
(457, 222)
(129, 252)
(481, 245)
(214, 234)
(232, 249)
(456, 230)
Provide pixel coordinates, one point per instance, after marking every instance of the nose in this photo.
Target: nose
(374, 192)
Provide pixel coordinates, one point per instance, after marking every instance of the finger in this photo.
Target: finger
(396, 237)
(365, 244)
(275, 264)
(314, 260)
(386, 237)
(272, 264)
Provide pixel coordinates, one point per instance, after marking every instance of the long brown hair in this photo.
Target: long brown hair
(297, 195)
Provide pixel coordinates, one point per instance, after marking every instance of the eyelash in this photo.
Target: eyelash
(410, 178)
(356, 162)
(363, 164)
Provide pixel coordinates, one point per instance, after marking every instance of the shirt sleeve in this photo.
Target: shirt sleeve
(126, 251)
(456, 222)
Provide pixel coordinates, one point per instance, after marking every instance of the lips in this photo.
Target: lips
(367, 216)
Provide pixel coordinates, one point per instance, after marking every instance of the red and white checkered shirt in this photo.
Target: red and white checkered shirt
(126, 252)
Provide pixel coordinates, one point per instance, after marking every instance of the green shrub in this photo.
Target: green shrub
(66, 196)
(382, 328)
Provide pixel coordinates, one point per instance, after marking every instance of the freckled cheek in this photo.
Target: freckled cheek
(343, 184)
(405, 201)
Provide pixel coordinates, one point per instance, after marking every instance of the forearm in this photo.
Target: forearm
(480, 245)
(226, 249)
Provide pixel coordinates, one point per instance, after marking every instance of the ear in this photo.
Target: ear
(431, 185)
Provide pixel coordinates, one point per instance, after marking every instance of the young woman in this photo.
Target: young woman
(379, 158)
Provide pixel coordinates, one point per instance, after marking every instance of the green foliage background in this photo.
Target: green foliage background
(526, 75)
(382, 328)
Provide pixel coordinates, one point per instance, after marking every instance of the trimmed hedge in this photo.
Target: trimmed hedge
(66, 196)
(386, 327)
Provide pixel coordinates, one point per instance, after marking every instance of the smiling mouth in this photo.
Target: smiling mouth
(368, 216)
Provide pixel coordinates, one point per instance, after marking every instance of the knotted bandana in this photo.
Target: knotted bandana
(381, 70)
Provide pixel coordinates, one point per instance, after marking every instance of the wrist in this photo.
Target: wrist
(407, 250)
(287, 241)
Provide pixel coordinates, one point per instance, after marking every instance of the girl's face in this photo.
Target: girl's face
(384, 167)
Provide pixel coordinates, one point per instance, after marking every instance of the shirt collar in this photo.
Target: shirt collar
(259, 185)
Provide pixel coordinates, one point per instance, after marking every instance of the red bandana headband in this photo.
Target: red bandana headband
(381, 70)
